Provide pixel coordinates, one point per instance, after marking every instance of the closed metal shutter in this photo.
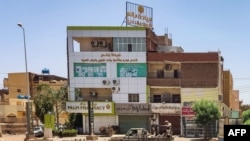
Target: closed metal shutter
(132, 121)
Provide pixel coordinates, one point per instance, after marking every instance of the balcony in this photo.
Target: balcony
(94, 98)
(164, 79)
(165, 98)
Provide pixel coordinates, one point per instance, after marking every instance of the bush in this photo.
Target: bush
(247, 122)
(69, 132)
(65, 133)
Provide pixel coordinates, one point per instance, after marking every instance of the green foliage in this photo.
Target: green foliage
(206, 111)
(245, 115)
(75, 120)
(247, 122)
(43, 104)
(65, 133)
(69, 132)
(46, 99)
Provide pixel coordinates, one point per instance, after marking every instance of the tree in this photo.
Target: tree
(246, 116)
(43, 104)
(49, 99)
(75, 120)
(206, 113)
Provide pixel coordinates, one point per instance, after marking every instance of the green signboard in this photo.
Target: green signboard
(49, 121)
(90, 70)
(132, 69)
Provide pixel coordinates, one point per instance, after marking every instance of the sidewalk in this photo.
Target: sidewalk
(7, 137)
(20, 137)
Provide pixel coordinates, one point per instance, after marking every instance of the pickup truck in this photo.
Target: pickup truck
(139, 134)
(133, 134)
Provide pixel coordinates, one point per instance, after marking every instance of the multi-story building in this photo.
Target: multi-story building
(178, 79)
(109, 66)
(227, 87)
(16, 83)
(15, 95)
(136, 78)
(230, 96)
(235, 101)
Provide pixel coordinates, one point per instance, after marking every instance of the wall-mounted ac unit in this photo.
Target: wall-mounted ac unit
(153, 116)
(116, 82)
(102, 43)
(168, 67)
(94, 43)
(93, 94)
(105, 82)
(115, 89)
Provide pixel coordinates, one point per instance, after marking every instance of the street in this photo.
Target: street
(7, 137)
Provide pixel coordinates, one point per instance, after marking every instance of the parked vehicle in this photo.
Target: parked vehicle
(141, 134)
(38, 131)
(137, 134)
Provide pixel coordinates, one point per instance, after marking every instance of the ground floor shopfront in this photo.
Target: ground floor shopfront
(130, 121)
(129, 115)
(166, 112)
(191, 129)
(136, 115)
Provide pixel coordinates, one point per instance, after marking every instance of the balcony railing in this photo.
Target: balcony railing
(164, 100)
(164, 74)
(94, 98)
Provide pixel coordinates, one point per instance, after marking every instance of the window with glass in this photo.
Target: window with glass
(133, 97)
(129, 44)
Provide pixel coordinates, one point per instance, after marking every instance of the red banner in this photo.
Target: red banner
(187, 111)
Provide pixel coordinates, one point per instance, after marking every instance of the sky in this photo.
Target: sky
(195, 25)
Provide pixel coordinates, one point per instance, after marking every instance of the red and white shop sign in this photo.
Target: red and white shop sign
(187, 111)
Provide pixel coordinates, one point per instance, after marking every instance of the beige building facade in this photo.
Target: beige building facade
(15, 95)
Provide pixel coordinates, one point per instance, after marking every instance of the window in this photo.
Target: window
(176, 74)
(166, 98)
(18, 90)
(129, 47)
(176, 98)
(133, 97)
(160, 74)
(157, 98)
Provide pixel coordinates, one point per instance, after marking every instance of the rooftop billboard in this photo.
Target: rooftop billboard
(138, 15)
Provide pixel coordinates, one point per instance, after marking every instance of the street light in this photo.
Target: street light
(28, 104)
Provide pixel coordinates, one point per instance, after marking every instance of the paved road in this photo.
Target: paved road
(21, 138)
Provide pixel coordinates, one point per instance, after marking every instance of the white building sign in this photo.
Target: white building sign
(82, 107)
(166, 108)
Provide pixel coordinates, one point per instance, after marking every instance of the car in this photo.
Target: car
(38, 131)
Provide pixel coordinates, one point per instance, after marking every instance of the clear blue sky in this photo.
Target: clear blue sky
(195, 25)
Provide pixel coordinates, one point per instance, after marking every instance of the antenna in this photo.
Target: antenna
(166, 31)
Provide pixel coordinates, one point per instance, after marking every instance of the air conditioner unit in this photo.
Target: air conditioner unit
(94, 43)
(102, 43)
(116, 82)
(153, 116)
(105, 82)
(93, 94)
(115, 89)
(168, 67)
